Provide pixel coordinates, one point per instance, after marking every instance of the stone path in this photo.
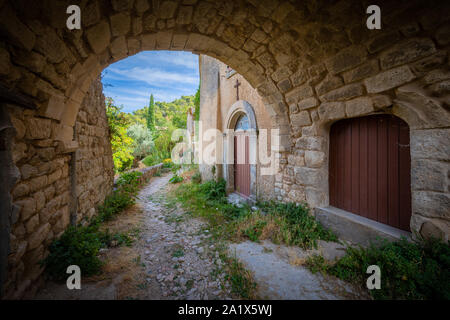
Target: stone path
(279, 272)
(175, 258)
(176, 251)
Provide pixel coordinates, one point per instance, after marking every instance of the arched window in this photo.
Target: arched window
(242, 124)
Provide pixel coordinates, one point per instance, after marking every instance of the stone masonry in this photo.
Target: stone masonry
(312, 63)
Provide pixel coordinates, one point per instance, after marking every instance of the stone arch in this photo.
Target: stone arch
(310, 63)
(238, 109)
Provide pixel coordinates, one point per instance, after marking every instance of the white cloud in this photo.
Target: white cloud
(153, 77)
(176, 58)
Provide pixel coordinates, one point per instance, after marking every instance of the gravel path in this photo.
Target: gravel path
(180, 262)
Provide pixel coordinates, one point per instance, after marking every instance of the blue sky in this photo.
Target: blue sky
(167, 74)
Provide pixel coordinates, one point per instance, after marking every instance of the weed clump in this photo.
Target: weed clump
(80, 245)
(409, 270)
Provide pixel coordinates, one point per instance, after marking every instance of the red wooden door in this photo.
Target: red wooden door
(241, 164)
(369, 171)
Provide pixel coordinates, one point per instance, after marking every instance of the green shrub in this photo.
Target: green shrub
(297, 226)
(80, 245)
(214, 190)
(77, 246)
(129, 181)
(176, 179)
(114, 204)
(419, 270)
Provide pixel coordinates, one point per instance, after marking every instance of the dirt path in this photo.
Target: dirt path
(172, 259)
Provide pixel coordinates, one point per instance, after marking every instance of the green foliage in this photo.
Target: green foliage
(176, 179)
(196, 177)
(418, 270)
(197, 105)
(254, 231)
(80, 245)
(297, 226)
(142, 140)
(213, 190)
(77, 246)
(151, 114)
(241, 280)
(121, 143)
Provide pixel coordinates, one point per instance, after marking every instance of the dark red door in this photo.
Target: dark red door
(241, 164)
(370, 169)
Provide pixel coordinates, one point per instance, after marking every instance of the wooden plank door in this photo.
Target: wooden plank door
(241, 164)
(369, 171)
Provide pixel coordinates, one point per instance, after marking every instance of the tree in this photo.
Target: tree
(197, 105)
(151, 114)
(121, 143)
(142, 140)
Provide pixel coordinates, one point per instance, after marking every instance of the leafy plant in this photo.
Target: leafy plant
(80, 245)
(176, 179)
(418, 270)
(196, 177)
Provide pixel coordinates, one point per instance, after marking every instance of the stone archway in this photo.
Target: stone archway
(238, 109)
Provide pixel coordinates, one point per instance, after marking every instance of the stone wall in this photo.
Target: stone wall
(94, 164)
(405, 73)
(43, 197)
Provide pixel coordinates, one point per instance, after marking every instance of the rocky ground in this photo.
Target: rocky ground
(174, 257)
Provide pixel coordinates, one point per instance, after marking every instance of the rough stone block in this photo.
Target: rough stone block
(365, 70)
(314, 159)
(346, 59)
(431, 204)
(430, 144)
(429, 175)
(300, 119)
(36, 239)
(99, 37)
(119, 48)
(382, 41)
(331, 111)
(308, 103)
(344, 93)
(38, 128)
(308, 176)
(310, 143)
(328, 84)
(408, 51)
(359, 106)
(120, 24)
(167, 9)
(28, 208)
(389, 79)
(299, 93)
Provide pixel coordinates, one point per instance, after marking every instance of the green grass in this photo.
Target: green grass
(418, 270)
(178, 253)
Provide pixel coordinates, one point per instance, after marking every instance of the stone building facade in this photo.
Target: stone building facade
(312, 63)
(220, 108)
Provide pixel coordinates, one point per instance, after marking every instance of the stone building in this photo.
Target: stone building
(227, 100)
(312, 64)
